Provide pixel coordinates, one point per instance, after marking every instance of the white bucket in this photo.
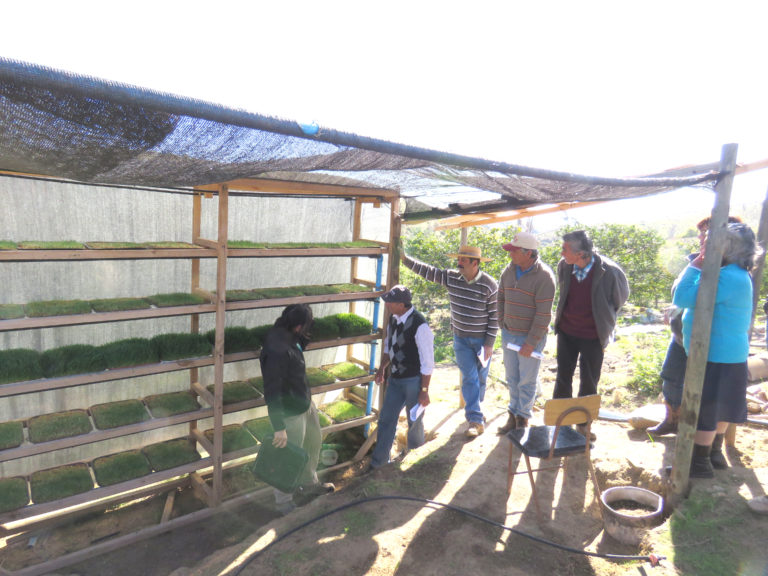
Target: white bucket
(631, 528)
(329, 457)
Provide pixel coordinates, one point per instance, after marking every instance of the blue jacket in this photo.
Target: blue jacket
(729, 339)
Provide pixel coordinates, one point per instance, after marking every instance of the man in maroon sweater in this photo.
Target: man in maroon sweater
(592, 290)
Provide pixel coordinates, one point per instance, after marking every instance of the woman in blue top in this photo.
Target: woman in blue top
(723, 396)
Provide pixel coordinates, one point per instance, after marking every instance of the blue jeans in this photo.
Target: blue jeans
(473, 375)
(400, 392)
(522, 374)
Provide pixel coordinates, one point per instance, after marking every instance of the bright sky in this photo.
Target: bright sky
(606, 88)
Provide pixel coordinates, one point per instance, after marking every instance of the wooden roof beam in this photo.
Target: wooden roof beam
(265, 186)
(466, 221)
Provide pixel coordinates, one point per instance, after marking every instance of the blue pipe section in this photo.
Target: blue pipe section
(372, 363)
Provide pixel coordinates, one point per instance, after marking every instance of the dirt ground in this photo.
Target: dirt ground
(387, 536)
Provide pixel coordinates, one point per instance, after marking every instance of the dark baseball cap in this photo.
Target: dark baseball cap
(397, 293)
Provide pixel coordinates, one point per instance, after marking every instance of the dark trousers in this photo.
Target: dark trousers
(588, 353)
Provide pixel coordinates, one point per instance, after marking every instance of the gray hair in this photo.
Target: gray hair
(740, 246)
(579, 242)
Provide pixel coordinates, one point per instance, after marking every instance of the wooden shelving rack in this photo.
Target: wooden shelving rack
(205, 475)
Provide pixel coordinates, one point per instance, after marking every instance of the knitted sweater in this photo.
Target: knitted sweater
(610, 290)
(473, 304)
(525, 304)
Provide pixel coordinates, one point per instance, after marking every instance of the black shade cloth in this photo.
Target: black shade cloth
(62, 125)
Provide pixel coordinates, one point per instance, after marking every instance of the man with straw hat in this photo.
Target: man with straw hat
(474, 323)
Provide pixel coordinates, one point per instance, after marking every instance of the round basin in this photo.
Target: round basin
(629, 511)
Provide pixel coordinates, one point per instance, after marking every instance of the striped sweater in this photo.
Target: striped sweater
(525, 304)
(473, 304)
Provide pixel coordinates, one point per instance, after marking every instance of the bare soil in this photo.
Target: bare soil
(412, 536)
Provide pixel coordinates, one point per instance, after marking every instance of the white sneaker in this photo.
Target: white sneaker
(759, 505)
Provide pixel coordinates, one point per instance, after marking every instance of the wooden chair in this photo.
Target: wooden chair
(555, 439)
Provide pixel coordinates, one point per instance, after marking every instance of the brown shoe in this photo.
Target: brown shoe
(521, 422)
(582, 429)
(510, 425)
(475, 429)
(669, 424)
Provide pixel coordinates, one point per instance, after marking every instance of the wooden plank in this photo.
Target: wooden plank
(202, 440)
(216, 493)
(338, 385)
(320, 298)
(153, 482)
(101, 317)
(203, 392)
(356, 230)
(178, 253)
(469, 220)
(168, 508)
(281, 187)
(363, 450)
(350, 423)
(205, 243)
(86, 254)
(300, 252)
(202, 490)
(751, 166)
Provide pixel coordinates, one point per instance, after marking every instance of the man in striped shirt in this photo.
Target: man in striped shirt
(474, 323)
(526, 292)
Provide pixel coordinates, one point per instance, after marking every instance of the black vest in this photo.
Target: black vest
(404, 354)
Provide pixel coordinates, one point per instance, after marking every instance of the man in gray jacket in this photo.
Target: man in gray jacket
(592, 290)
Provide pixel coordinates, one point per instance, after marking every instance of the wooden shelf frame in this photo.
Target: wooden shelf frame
(29, 323)
(85, 254)
(98, 435)
(45, 384)
(217, 249)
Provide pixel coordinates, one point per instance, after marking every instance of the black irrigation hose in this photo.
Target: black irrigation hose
(653, 559)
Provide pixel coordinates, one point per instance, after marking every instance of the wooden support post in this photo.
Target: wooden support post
(218, 349)
(462, 402)
(357, 224)
(363, 450)
(194, 319)
(201, 489)
(757, 273)
(700, 335)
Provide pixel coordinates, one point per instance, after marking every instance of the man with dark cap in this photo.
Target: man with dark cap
(408, 354)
